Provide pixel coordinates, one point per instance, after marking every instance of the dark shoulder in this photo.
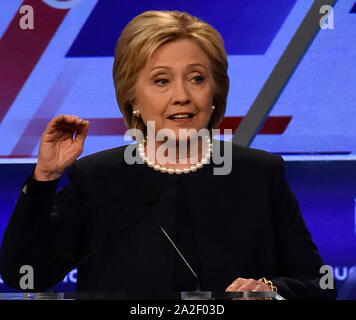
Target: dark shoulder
(255, 156)
(241, 153)
(251, 159)
(101, 171)
(105, 159)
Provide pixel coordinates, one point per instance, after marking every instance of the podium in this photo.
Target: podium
(184, 295)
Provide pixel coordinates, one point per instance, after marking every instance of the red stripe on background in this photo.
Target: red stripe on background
(20, 49)
(230, 123)
(273, 124)
(116, 126)
(107, 127)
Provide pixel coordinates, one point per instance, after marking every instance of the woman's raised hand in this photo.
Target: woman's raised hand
(61, 144)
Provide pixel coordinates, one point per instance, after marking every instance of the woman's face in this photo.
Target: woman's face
(175, 88)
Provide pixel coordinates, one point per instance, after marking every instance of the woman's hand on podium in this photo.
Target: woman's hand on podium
(242, 284)
(61, 144)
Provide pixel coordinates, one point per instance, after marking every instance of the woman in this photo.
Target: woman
(162, 224)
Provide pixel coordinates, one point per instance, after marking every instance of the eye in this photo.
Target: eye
(161, 81)
(198, 79)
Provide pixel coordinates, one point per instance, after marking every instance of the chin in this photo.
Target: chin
(178, 133)
(187, 136)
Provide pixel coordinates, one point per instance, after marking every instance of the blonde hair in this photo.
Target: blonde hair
(148, 31)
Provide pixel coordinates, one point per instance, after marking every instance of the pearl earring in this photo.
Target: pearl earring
(213, 107)
(136, 113)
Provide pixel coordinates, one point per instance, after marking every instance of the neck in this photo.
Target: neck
(177, 154)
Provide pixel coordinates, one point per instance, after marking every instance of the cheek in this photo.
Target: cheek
(152, 104)
(206, 102)
(209, 94)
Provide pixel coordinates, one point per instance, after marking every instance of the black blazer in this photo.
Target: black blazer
(248, 224)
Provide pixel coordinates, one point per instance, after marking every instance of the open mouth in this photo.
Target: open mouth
(181, 116)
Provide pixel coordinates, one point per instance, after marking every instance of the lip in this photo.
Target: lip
(177, 113)
(183, 121)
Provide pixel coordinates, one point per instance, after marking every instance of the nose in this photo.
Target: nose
(181, 94)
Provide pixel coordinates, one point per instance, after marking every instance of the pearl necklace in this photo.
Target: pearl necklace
(192, 168)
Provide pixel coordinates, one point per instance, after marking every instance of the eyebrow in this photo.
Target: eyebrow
(189, 65)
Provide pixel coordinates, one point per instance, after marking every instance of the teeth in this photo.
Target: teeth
(180, 116)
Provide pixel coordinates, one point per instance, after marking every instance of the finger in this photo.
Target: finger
(236, 284)
(71, 118)
(82, 132)
(263, 287)
(62, 121)
(71, 123)
(249, 285)
(63, 127)
(259, 288)
(51, 126)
